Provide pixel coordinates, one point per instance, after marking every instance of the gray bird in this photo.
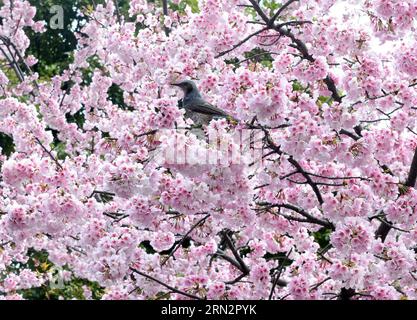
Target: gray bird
(196, 108)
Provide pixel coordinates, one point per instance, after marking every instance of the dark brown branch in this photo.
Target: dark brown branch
(346, 294)
(258, 9)
(241, 42)
(293, 23)
(11, 61)
(308, 179)
(237, 262)
(349, 134)
(19, 55)
(412, 131)
(70, 249)
(305, 214)
(296, 43)
(261, 186)
(166, 285)
(50, 154)
(254, 22)
(116, 5)
(319, 183)
(385, 226)
(236, 280)
(148, 133)
(165, 11)
(391, 225)
(281, 267)
(229, 242)
(291, 160)
(232, 261)
(101, 192)
(255, 56)
(12, 58)
(279, 11)
(291, 218)
(412, 175)
(271, 144)
(332, 88)
(199, 222)
(316, 286)
(337, 178)
(116, 216)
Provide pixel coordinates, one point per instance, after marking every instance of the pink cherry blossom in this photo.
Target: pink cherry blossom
(307, 190)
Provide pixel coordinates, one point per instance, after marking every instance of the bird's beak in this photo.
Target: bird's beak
(175, 84)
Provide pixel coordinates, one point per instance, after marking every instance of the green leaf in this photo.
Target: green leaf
(193, 5)
(6, 144)
(78, 118)
(324, 99)
(272, 5)
(38, 261)
(322, 237)
(182, 5)
(146, 245)
(251, 12)
(267, 64)
(115, 94)
(59, 148)
(297, 86)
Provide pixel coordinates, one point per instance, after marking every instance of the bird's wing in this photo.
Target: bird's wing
(201, 106)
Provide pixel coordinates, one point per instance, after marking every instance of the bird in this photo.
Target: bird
(196, 108)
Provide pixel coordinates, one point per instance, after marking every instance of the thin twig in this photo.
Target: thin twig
(166, 285)
(281, 267)
(232, 247)
(280, 10)
(165, 11)
(241, 42)
(199, 222)
(50, 154)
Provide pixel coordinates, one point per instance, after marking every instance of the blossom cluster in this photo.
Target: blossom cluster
(333, 114)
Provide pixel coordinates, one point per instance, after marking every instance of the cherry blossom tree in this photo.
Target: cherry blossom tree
(310, 196)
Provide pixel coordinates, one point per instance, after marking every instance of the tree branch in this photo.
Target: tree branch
(199, 222)
(50, 154)
(279, 11)
(281, 267)
(245, 268)
(308, 179)
(166, 285)
(241, 42)
(116, 5)
(165, 11)
(305, 214)
(385, 226)
(297, 43)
